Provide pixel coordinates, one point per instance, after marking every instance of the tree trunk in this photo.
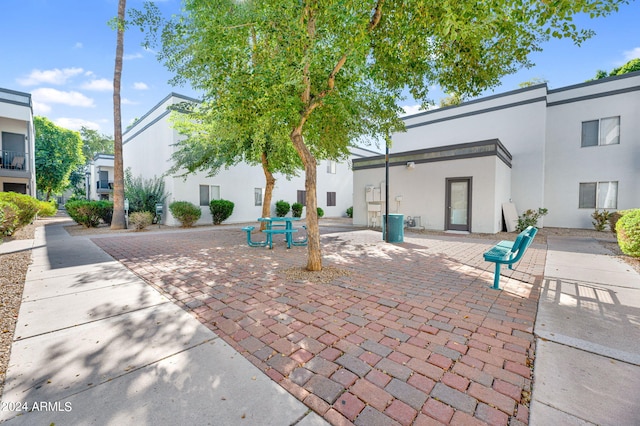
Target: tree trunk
(268, 192)
(314, 261)
(118, 220)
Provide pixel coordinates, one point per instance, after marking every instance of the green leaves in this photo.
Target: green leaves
(58, 153)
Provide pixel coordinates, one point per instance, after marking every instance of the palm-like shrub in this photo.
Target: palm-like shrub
(320, 212)
(143, 194)
(220, 210)
(187, 213)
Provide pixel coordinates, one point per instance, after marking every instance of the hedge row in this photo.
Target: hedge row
(18, 210)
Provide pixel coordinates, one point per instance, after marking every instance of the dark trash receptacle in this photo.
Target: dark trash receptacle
(396, 228)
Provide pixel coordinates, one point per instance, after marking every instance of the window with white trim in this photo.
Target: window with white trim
(605, 131)
(331, 167)
(208, 193)
(257, 196)
(598, 195)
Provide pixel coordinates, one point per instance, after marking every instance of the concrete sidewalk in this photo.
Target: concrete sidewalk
(587, 367)
(94, 344)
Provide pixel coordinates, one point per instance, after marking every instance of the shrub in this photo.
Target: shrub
(143, 194)
(320, 212)
(9, 221)
(187, 213)
(600, 219)
(350, 212)
(220, 210)
(282, 208)
(296, 209)
(47, 208)
(530, 218)
(628, 232)
(104, 209)
(84, 212)
(140, 220)
(27, 206)
(615, 217)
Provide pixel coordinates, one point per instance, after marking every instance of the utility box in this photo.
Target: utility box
(396, 228)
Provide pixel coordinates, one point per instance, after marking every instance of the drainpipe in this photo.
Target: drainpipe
(386, 194)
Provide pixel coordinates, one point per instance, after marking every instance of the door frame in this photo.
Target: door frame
(447, 204)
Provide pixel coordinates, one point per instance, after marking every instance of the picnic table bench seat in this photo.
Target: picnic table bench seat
(509, 252)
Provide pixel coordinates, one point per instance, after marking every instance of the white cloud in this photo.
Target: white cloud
(78, 45)
(101, 84)
(53, 96)
(75, 123)
(140, 86)
(632, 54)
(132, 56)
(40, 109)
(125, 101)
(54, 76)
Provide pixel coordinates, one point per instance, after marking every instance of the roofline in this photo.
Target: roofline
(158, 105)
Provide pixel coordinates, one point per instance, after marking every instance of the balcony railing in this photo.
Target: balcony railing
(104, 186)
(14, 160)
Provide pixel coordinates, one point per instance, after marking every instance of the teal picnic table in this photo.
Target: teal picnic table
(276, 225)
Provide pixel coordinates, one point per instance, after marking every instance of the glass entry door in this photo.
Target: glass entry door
(458, 204)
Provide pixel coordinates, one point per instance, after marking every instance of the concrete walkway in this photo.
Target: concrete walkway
(94, 344)
(587, 367)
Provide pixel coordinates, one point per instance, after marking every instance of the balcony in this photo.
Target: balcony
(104, 186)
(14, 163)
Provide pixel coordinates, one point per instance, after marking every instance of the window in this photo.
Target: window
(331, 167)
(208, 193)
(331, 199)
(257, 195)
(598, 195)
(605, 131)
(302, 197)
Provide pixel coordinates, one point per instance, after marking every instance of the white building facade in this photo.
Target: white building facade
(571, 150)
(149, 143)
(17, 143)
(99, 176)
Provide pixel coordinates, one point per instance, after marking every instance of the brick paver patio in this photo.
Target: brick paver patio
(408, 334)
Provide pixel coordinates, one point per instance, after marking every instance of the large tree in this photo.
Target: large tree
(95, 143)
(631, 66)
(58, 153)
(118, 220)
(328, 72)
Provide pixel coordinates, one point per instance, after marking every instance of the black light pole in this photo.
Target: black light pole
(386, 194)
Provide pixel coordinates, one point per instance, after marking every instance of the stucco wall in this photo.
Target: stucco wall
(423, 191)
(148, 152)
(517, 119)
(568, 164)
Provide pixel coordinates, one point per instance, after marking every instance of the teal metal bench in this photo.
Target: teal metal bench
(248, 230)
(509, 252)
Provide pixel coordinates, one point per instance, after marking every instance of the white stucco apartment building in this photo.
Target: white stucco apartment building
(149, 143)
(17, 143)
(571, 150)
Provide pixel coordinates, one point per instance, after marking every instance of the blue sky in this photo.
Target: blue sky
(62, 52)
